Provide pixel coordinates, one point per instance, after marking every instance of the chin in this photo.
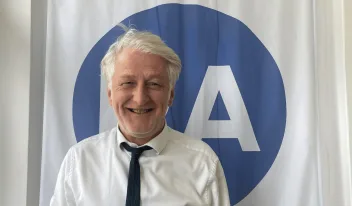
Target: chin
(141, 133)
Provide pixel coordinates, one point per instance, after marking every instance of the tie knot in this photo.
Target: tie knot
(136, 151)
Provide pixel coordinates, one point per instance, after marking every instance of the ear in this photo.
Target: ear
(109, 95)
(171, 98)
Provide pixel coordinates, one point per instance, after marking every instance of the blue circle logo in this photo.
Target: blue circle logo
(204, 38)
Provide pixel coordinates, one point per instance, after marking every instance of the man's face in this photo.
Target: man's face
(140, 93)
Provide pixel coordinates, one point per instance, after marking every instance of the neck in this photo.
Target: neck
(138, 141)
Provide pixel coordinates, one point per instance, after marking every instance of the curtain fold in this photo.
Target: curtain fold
(332, 113)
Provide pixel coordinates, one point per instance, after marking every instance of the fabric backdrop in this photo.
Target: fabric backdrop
(263, 83)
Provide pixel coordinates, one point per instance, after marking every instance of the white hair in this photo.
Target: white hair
(143, 41)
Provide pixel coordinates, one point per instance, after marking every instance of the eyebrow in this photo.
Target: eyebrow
(127, 76)
(148, 76)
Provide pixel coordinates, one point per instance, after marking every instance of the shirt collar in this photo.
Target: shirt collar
(158, 143)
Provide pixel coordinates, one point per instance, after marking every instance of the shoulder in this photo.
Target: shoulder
(99, 141)
(192, 145)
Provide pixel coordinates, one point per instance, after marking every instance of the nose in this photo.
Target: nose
(140, 95)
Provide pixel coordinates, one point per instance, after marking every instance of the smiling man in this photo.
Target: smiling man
(140, 94)
(141, 161)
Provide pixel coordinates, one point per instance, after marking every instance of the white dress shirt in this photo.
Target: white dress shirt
(177, 171)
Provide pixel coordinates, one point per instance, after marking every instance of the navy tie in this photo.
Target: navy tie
(134, 180)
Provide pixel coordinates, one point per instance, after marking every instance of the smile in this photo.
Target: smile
(139, 111)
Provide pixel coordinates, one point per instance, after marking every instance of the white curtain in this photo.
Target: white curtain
(315, 156)
(332, 114)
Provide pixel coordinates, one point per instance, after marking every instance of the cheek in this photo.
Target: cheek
(162, 100)
(118, 100)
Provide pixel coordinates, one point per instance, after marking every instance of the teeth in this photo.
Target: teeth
(140, 111)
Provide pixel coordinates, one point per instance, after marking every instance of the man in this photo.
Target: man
(142, 161)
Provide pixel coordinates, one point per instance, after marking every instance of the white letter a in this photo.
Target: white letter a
(220, 79)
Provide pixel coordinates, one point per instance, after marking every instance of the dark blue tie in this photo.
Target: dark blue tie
(134, 180)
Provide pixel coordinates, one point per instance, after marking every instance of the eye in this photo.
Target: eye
(153, 84)
(128, 83)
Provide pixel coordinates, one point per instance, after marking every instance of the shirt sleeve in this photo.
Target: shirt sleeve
(218, 191)
(63, 193)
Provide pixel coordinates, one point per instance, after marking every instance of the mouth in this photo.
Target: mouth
(139, 111)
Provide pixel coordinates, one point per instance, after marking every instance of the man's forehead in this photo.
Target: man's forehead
(132, 63)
